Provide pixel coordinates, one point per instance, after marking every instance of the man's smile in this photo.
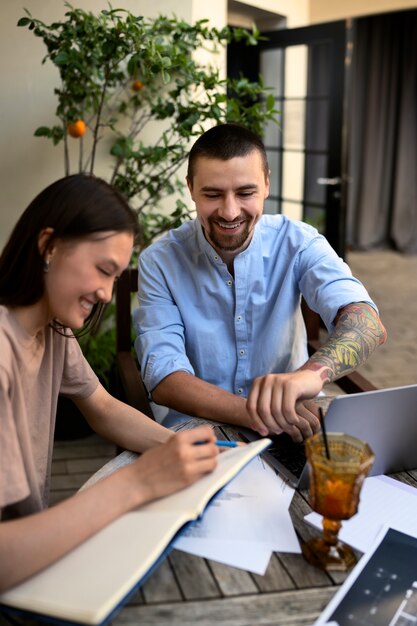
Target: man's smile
(228, 225)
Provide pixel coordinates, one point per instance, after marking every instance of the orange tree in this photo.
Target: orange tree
(119, 74)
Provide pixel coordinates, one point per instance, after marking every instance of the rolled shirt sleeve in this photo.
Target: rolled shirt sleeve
(160, 341)
(326, 281)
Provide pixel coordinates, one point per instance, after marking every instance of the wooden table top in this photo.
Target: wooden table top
(190, 590)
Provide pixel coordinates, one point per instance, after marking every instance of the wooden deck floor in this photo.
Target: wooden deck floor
(75, 461)
(390, 278)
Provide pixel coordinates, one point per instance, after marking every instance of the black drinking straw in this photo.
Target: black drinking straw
(323, 429)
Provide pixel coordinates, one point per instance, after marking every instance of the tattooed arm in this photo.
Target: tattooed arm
(276, 398)
(358, 331)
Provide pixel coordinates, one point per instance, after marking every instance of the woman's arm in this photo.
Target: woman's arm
(121, 423)
(29, 544)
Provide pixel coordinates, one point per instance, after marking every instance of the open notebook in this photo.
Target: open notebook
(90, 584)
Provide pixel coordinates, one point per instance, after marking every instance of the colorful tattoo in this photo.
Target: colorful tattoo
(357, 333)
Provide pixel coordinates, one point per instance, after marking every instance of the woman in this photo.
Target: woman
(56, 273)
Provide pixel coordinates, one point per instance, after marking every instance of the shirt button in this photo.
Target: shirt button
(216, 258)
(240, 390)
(239, 317)
(229, 282)
(241, 352)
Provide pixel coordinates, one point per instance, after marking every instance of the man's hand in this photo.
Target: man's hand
(276, 404)
(275, 401)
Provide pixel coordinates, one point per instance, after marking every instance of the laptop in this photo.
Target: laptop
(385, 418)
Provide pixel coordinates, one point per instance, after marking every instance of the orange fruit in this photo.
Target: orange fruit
(77, 128)
(137, 85)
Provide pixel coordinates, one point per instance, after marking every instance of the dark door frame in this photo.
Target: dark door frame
(247, 61)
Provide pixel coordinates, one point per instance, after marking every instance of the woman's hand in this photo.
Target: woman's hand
(186, 457)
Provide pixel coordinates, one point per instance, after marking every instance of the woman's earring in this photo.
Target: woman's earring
(46, 266)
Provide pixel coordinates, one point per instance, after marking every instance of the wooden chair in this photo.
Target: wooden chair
(131, 387)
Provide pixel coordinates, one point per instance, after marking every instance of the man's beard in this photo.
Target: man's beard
(228, 243)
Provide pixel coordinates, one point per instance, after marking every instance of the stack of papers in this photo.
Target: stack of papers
(247, 522)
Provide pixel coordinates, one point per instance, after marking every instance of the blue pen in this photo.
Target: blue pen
(223, 443)
(229, 444)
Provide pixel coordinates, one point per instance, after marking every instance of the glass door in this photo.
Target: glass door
(306, 69)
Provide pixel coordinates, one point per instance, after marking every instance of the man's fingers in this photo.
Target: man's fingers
(274, 404)
(295, 433)
(309, 417)
(256, 403)
(269, 410)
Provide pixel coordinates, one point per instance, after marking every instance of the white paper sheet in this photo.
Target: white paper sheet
(383, 501)
(246, 522)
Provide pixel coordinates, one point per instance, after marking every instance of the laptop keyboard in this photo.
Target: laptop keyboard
(286, 451)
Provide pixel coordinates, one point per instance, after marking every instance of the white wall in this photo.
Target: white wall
(329, 10)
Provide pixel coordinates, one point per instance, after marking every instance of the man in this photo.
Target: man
(220, 330)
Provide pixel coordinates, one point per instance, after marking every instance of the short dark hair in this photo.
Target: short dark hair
(75, 207)
(225, 142)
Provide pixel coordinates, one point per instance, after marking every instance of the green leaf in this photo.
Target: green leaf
(24, 21)
(61, 58)
(43, 131)
(57, 134)
(270, 102)
(166, 77)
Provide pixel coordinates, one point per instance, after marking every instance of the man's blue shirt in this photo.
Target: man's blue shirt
(195, 317)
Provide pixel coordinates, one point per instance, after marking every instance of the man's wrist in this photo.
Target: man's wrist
(322, 370)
